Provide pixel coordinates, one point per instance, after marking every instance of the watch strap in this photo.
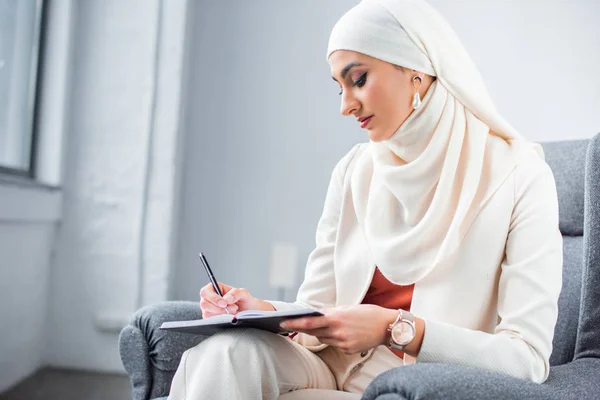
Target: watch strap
(402, 316)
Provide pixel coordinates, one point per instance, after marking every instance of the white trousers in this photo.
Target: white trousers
(253, 364)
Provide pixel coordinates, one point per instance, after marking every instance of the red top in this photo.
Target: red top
(388, 295)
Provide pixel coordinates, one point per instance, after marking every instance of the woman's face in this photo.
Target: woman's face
(373, 89)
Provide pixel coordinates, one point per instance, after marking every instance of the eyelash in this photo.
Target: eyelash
(360, 82)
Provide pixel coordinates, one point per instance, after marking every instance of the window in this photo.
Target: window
(20, 33)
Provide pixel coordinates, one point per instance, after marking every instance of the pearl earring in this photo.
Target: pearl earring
(416, 98)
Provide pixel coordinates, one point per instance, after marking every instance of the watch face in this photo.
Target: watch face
(403, 333)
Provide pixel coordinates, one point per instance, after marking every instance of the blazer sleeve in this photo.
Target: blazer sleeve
(529, 285)
(318, 289)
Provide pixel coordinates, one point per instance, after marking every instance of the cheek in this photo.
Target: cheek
(380, 101)
(402, 104)
(394, 105)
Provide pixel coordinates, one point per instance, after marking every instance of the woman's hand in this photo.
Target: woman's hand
(235, 299)
(352, 329)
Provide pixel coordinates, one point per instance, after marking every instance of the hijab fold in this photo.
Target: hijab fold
(418, 192)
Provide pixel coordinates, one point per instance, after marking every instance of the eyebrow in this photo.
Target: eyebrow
(347, 69)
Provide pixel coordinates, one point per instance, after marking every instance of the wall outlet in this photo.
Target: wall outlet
(284, 261)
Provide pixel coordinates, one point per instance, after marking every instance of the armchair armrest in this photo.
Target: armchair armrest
(575, 380)
(151, 356)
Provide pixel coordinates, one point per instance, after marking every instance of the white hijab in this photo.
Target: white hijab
(458, 149)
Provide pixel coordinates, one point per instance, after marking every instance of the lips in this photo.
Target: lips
(365, 121)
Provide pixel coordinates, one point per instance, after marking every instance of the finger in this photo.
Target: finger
(321, 333)
(208, 315)
(206, 305)
(233, 309)
(304, 324)
(208, 293)
(334, 315)
(329, 333)
(345, 346)
(332, 342)
(236, 294)
(224, 288)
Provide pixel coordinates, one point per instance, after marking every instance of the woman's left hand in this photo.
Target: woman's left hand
(352, 329)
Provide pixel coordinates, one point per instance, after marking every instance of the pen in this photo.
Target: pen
(211, 277)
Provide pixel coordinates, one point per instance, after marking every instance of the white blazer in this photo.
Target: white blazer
(492, 305)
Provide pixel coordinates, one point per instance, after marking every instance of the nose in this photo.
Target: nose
(350, 104)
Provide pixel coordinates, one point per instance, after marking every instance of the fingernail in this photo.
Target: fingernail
(283, 325)
(222, 304)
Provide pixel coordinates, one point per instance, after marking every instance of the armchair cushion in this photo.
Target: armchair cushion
(453, 382)
(151, 356)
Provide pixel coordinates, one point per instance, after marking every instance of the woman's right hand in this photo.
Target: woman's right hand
(235, 299)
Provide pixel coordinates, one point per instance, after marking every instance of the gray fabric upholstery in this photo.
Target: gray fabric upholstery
(151, 356)
(575, 381)
(588, 338)
(567, 161)
(321, 394)
(565, 332)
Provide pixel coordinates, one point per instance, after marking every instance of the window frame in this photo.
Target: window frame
(36, 75)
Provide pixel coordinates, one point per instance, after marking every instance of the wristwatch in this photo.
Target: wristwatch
(402, 331)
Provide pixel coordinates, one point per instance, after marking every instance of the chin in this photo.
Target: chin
(376, 136)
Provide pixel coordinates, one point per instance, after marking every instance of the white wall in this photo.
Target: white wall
(28, 218)
(539, 60)
(24, 271)
(263, 103)
(266, 131)
(113, 247)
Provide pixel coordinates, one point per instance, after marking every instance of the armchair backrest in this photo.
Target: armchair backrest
(567, 159)
(588, 336)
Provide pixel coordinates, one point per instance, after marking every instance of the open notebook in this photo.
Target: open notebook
(265, 320)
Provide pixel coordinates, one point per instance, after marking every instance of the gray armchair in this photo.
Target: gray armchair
(151, 356)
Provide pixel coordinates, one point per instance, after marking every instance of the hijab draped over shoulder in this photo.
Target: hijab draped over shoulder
(418, 192)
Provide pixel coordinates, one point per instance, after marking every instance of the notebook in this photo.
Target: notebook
(265, 320)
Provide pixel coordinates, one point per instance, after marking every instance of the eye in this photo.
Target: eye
(360, 82)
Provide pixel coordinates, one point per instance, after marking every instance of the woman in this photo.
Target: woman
(439, 238)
